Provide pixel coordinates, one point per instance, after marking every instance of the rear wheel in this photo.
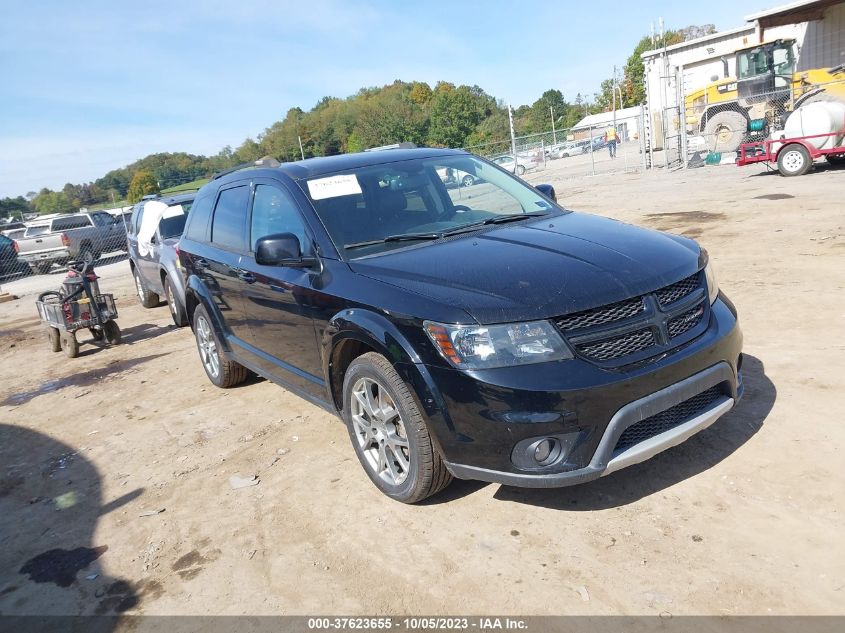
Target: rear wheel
(148, 299)
(389, 433)
(87, 255)
(794, 160)
(70, 346)
(54, 339)
(220, 371)
(520, 169)
(177, 312)
(41, 268)
(467, 181)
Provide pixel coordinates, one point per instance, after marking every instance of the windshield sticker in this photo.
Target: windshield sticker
(334, 187)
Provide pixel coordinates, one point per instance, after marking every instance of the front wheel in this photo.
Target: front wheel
(520, 169)
(794, 160)
(389, 433)
(467, 181)
(111, 330)
(54, 338)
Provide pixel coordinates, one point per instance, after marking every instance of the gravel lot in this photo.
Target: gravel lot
(114, 467)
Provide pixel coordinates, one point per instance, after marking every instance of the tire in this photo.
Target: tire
(467, 181)
(69, 344)
(87, 255)
(148, 299)
(794, 160)
(41, 268)
(221, 372)
(54, 339)
(111, 330)
(408, 469)
(835, 159)
(177, 312)
(726, 129)
(520, 169)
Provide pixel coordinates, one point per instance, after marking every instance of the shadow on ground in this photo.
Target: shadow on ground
(50, 502)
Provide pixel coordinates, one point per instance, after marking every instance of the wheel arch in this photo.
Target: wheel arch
(197, 294)
(355, 332)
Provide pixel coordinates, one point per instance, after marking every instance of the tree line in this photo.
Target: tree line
(443, 116)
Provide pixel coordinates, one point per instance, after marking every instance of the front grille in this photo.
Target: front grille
(618, 346)
(678, 290)
(638, 328)
(668, 419)
(685, 321)
(599, 316)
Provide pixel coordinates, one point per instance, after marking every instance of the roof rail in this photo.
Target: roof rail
(403, 145)
(267, 161)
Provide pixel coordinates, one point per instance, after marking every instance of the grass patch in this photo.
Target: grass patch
(188, 186)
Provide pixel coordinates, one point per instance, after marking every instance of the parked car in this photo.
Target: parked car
(9, 264)
(152, 234)
(598, 143)
(506, 162)
(456, 178)
(498, 337)
(62, 238)
(573, 148)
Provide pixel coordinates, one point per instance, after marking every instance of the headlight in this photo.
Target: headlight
(488, 346)
(712, 284)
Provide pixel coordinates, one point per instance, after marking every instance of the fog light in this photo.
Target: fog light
(543, 450)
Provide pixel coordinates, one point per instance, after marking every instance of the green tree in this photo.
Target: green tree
(455, 113)
(52, 202)
(143, 184)
(14, 207)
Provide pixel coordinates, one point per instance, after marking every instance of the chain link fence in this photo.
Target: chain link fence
(717, 124)
(585, 150)
(45, 244)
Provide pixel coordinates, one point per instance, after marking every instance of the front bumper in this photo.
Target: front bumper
(482, 422)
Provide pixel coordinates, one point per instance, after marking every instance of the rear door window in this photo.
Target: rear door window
(229, 221)
(197, 224)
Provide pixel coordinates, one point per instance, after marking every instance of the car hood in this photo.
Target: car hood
(540, 269)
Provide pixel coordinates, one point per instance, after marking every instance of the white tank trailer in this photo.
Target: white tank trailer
(821, 117)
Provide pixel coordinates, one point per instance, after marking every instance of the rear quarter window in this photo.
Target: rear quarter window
(196, 228)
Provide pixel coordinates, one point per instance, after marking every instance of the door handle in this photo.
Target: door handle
(245, 275)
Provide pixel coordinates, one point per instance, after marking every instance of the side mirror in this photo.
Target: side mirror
(281, 249)
(547, 190)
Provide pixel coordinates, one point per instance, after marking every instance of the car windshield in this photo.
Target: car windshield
(392, 205)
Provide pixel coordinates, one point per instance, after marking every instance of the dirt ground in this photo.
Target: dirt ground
(115, 467)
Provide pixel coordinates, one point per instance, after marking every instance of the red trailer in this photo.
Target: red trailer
(794, 156)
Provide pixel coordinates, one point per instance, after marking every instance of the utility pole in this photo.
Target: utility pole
(554, 134)
(301, 151)
(613, 90)
(513, 136)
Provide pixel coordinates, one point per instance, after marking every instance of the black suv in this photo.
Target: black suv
(481, 332)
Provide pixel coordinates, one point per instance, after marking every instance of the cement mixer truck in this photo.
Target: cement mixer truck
(812, 131)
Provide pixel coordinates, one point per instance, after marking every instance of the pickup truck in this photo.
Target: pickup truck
(62, 238)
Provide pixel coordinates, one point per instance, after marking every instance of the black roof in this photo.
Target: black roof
(311, 167)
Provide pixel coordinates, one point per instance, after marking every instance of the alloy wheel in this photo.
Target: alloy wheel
(380, 431)
(207, 347)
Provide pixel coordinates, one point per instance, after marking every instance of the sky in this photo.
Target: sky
(90, 86)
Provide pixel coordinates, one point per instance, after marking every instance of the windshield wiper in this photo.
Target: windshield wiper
(501, 219)
(404, 237)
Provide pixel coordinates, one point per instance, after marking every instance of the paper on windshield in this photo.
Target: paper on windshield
(334, 186)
